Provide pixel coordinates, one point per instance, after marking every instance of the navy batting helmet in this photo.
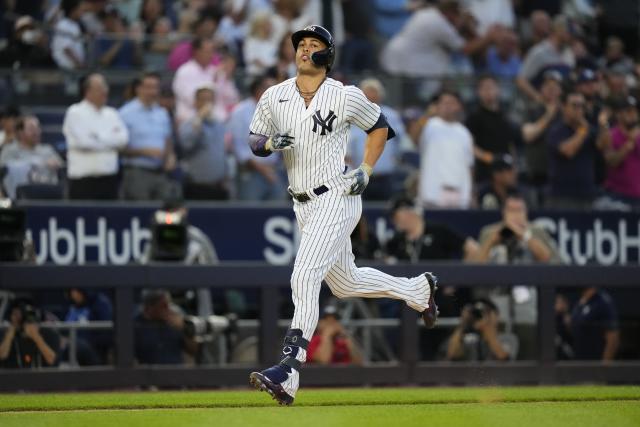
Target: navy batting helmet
(323, 57)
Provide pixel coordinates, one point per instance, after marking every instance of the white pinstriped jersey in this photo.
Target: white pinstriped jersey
(321, 131)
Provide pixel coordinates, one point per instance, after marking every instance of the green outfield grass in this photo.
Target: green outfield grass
(470, 406)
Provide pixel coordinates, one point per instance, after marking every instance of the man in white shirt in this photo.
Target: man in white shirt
(424, 46)
(67, 46)
(94, 133)
(446, 157)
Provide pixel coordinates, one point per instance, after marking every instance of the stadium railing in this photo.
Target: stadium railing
(269, 279)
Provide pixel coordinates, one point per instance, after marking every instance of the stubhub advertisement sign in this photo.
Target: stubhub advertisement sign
(117, 234)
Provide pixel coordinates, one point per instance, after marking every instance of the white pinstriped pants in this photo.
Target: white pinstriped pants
(326, 223)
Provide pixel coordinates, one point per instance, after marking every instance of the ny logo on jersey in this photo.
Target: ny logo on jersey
(326, 124)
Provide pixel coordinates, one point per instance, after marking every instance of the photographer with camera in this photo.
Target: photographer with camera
(515, 240)
(160, 333)
(331, 343)
(24, 345)
(477, 338)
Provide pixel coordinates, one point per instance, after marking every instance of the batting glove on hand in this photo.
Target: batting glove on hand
(280, 141)
(358, 180)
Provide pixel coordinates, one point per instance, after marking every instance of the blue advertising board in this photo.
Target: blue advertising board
(116, 233)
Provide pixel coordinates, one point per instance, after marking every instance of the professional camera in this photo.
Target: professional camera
(478, 310)
(209, 326)
(169, 235)
(29, 314)
(12, 231)
(506, 233)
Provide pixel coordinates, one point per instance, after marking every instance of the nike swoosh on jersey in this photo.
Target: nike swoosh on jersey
(282, 100)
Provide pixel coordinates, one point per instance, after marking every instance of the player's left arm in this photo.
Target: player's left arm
(368, 117)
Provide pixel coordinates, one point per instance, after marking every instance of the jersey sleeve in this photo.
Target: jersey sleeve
(262, 121)
(359, 110)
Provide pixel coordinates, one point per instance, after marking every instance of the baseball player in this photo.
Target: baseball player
(307, 119)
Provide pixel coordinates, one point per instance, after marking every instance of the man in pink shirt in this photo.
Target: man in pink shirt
(205, 27)
(196, 73)
(623, 154)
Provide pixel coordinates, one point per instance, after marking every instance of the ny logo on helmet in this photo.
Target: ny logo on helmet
(326, 123)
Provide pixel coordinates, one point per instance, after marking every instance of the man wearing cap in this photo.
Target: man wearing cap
(623, 155)
(28, 46)
(503, 178)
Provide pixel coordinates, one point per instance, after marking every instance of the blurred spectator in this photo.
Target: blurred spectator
(390, 16)
(504, 178)
(477, 338)
(623, 155)
(149, 155)
(552, 53)
(150, 12)
(115, 49)
(191, 75)
(364, 243)
(203, 151)
(68, 44)
(24, 344)
(621, 19)
(491, 12)
(381, 183)
(163, 39)
(27, 160)
(94, 133)
(572, 146)
(617, 84)
(493, 133)
(288, 17)
(331, 343)
(92, 346)
(227, 94)
(8, 120)
(327, 13)
(594, 326)
(91, 21)
(424, 45)
(204, 27)
(285, 66)
(159, 331)
(588, 84)
(260, 49)
(357, 51)
(259, 178)
(28, 46)
(539, 119)
(416, 239)
(129, 9)
(614, 57)
(446, 157)
(234, 25)
(503, 58)
(535, 29)
(515, 240)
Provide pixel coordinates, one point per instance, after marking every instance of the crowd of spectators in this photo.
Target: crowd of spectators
(552, 82)
(508, 105)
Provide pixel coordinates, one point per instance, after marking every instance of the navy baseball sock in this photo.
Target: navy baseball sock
(293, 342)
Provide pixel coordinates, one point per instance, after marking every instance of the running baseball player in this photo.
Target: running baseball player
(307, 119)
